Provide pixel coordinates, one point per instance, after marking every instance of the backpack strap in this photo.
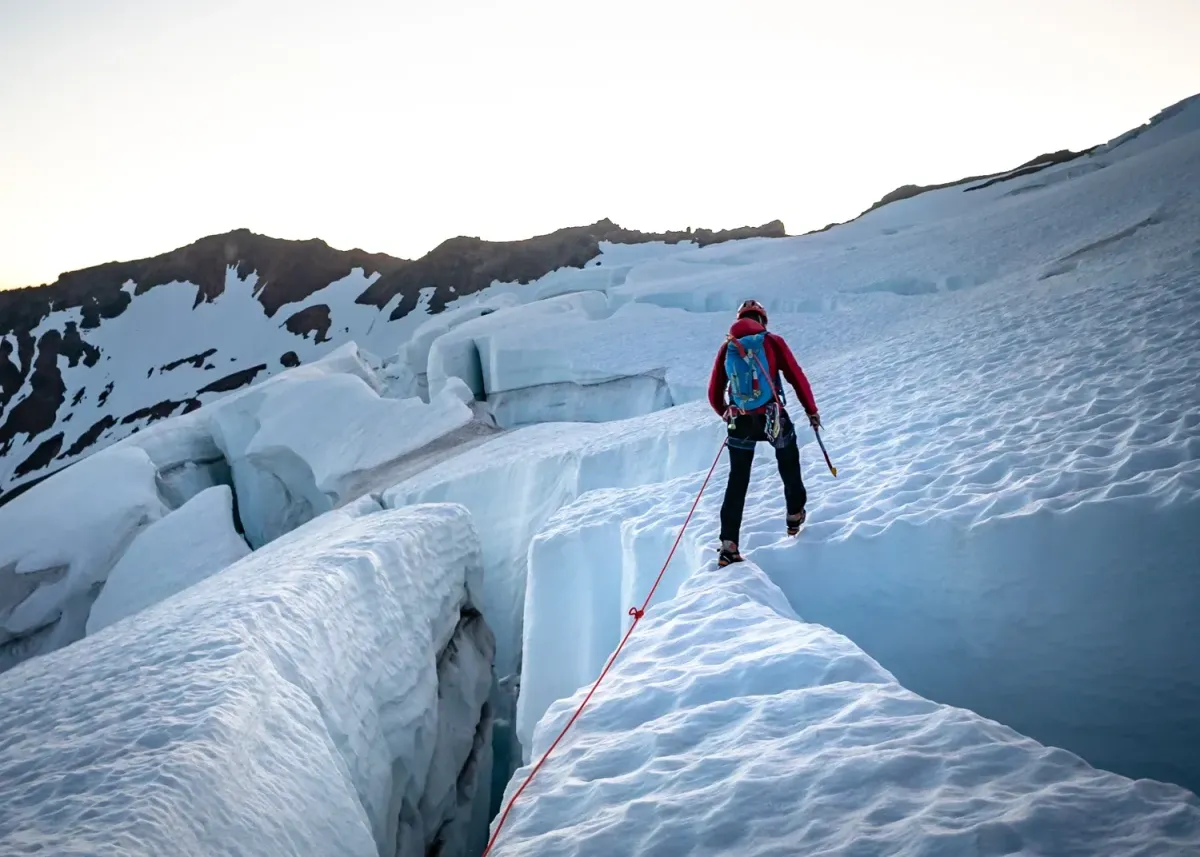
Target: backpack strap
(779, 397)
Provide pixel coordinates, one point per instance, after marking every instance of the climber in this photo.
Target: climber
(749, 363)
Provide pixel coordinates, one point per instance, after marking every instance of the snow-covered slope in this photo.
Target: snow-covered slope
(729, 726)
(310, 699)
(1018, 502)
(286, 450)
(106, 351)
(1006, 369)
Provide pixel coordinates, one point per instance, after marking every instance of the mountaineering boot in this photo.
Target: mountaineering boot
(729, 553)
(795, 522)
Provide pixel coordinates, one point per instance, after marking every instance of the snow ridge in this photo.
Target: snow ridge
(731, 726)
(310, 697)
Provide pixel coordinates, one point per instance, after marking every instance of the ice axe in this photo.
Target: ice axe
(832, 469)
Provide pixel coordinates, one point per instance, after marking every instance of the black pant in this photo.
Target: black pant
(744, 434)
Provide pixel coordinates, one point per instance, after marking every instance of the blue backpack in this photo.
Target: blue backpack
(746, 365)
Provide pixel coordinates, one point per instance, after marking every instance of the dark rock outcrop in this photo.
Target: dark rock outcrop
(908, 191)
(463, 265)
(159, 411)
(287, 271)
(12, 377)
(196, 360)
(35, 404)
(38, 411)
(232, 382)
(75, 349)
(311, 320)
(90, 436)
(41, 456)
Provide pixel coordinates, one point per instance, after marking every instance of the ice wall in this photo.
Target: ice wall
(301, 443)
(514, 483)
(730, 726)
(325, 695)
(58, 542)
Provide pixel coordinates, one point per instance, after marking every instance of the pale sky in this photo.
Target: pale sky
(131, 127)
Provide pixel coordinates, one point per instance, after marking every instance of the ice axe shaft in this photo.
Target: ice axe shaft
(832, 469)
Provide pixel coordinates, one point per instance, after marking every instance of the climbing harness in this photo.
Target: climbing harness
(637, 613)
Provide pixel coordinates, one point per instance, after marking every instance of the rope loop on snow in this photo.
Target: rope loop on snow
(637, 613)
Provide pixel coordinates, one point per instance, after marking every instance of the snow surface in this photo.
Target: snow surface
(1018, 501)
(1020, 475)
(1007, 376)
(729, 726)
(309, 699)
(194, 542)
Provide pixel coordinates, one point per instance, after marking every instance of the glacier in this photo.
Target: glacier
(729, 726)
(979, 643)
(268, 444)
(310, 699)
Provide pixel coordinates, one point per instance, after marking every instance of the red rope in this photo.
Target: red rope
(637, 613)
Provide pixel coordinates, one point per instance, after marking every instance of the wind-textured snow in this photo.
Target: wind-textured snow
(729, 726)
(1006, 371)
(1018, 500)
(193, 542)
(309, 699)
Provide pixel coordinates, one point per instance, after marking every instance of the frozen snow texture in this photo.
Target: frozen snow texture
(728, 726)
(192, 543)
(318, 697)
(1013, 413)
(1008, 378)
(58, 542)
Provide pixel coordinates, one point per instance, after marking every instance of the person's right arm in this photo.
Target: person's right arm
(796, 377)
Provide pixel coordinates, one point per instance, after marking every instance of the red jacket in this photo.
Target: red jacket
(779, 359)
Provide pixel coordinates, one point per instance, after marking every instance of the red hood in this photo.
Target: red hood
(745, 327)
